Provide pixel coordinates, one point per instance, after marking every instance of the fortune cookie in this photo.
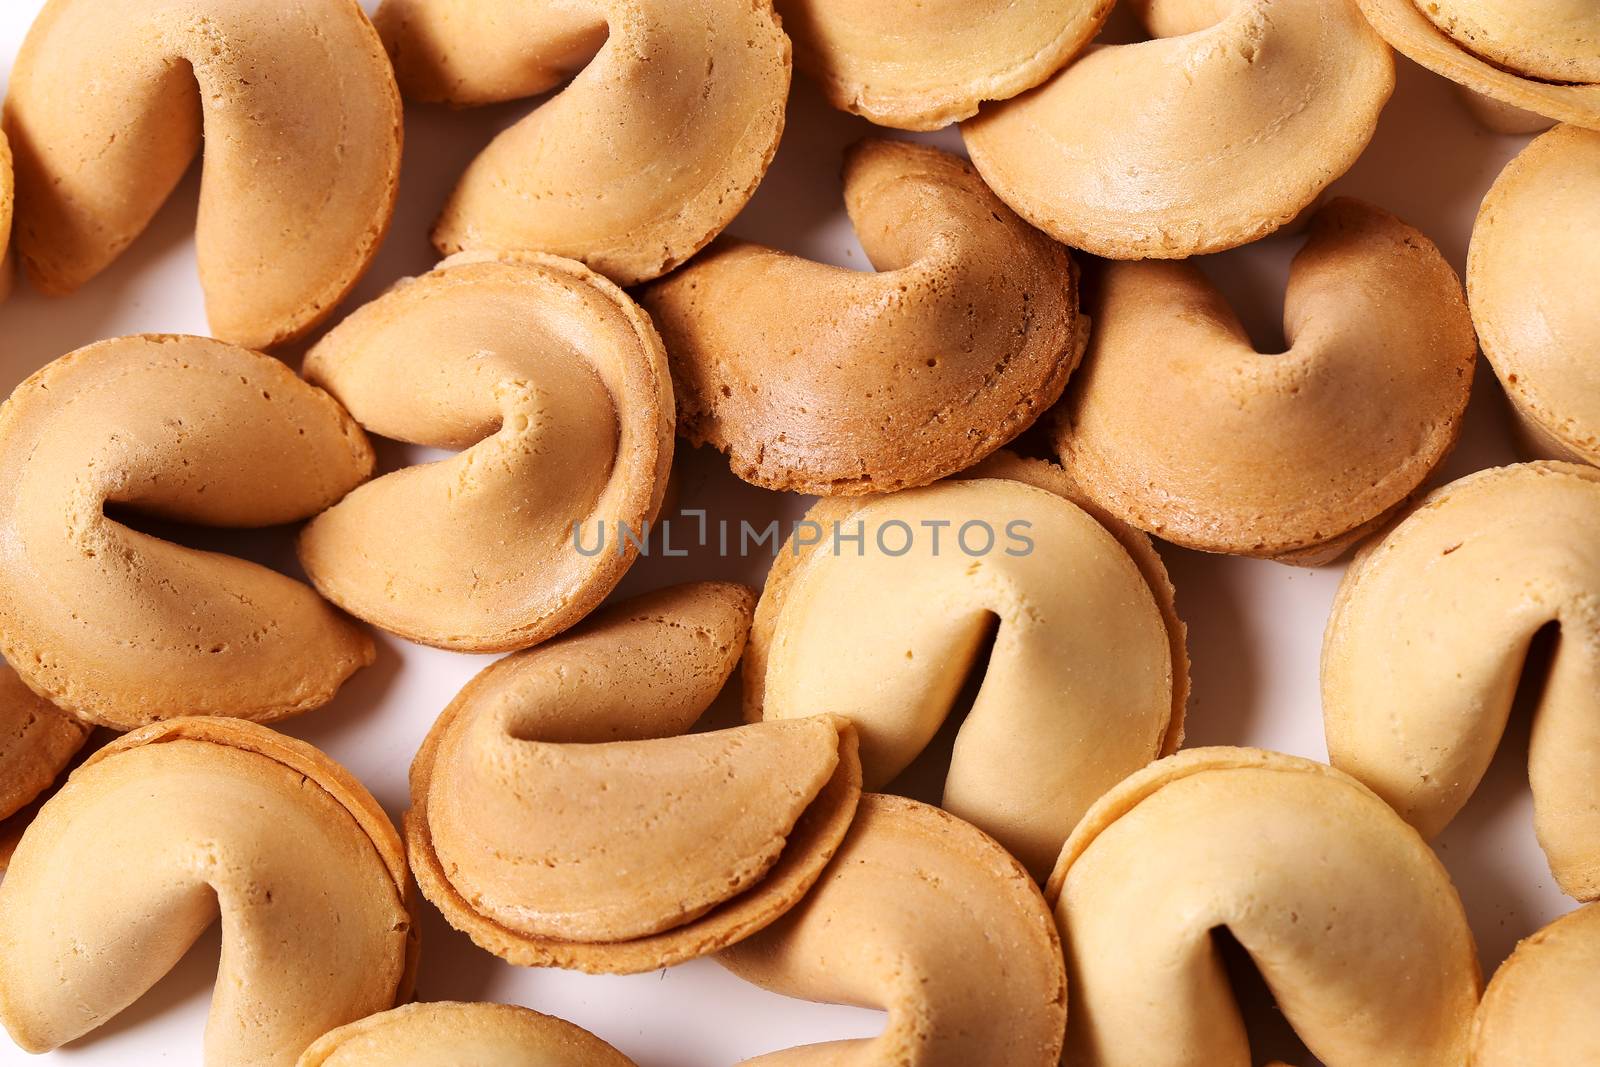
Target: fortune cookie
(36, 743)
(461, 1035)
(924, 916)
(164, 831)
(881, 609)
(1349, 917)
(562, 816)
(1043, 474)
(1534, 282)
(1540, 1008)
(555, 387)
(1427, 643)
(122, 628)
(1176, 424)
(1539, 56)
(919, 66)
(656, 143)
(1220, 130)
(820, 379)
(301, 126)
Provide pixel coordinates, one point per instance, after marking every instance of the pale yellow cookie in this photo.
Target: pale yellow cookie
(1539, 1010)
(653, 146)
(164, 831)
(450, 1034)
(1080, 683)
(1427, 642)
(561, 815)
(1541, 56)
(1348, 915)
(925, 917)
(1177, 425)
(820, 379)
(1534, 281)
(302, 129)
(554, 386)
(122, 628)
(1224, 127)
(1053, 478)
(920, 65)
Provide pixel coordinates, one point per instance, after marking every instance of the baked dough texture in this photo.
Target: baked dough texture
(554, 386)
(1427, 643)
(1533, 275)
(1051, 477)
(36, 742)
(1540, 1007)
(1078, 689)
(919, 65)
(1348, 915)
(302, 131)
(1223, 127)
(654, 145)
(820, 379)
(926, 917)
(1541, 56)
(1549, 40)
(563, 816)
(164, 831)
(447, 1034)
(122, 628)
(1177, 425)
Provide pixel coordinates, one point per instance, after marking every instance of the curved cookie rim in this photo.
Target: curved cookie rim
(810, 846)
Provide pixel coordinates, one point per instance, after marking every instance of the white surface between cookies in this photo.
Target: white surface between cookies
(1255, 628)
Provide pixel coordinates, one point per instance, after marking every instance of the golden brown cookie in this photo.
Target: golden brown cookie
(1346, 912)
(1547, 40)
(461, 1035)
(37, 741)
(820, 379)
(563, 817)
(1533, 275)
(212, 817)
(1540, 1008)
(1177, 425)
(1224, 127)
(554, 386)
(926, 917)
(302, 130)
(122, 628)
(918, 65)
(1541, 56)
(1079, 682)
(651, 148)
(1427, 643)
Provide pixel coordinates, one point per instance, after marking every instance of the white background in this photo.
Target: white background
(1255, 628)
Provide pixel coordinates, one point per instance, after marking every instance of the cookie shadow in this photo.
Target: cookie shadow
(1225, 672)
